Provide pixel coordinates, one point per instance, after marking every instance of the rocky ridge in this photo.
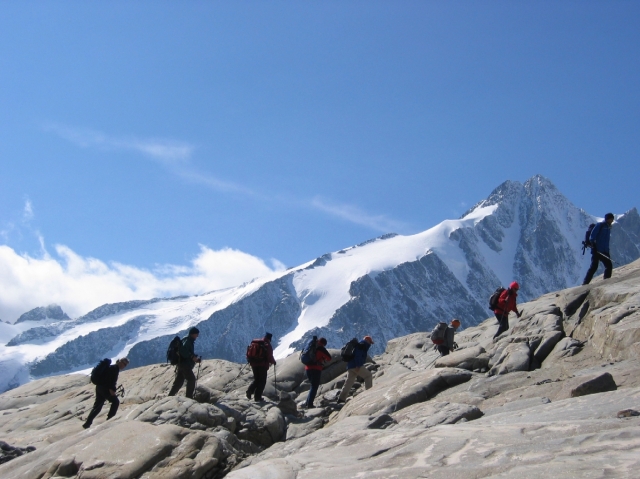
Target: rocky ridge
(557, 394)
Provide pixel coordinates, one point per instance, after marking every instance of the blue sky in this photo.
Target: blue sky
(151, 135)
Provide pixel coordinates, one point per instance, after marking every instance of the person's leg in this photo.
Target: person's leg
(608, 266)
(97, 406)
(504, 324)
(191, 382)
(314, 378)
(351, 378)
(252, 387)
(595, 261)
(115, 402)
(178, 382)
(365, 374)
(261, 382)
(443, 349)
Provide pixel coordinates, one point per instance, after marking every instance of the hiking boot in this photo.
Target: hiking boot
(248, 394)
(259, 400)
(86, 425)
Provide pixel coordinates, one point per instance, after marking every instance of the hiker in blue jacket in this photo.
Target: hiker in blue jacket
(106, 391)
(599, 240)
(355, 368)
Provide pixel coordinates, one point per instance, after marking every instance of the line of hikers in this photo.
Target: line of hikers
(314, 356)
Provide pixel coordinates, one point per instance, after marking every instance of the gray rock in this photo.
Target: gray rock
(468, 358)
(584, 385)
(514, 357)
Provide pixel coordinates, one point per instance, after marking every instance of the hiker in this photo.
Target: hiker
(106, 391)
(260, 368)
(506, 304)
(599, 242)
(355, 367)
(449, 345)
(314, 371)
(186, 363)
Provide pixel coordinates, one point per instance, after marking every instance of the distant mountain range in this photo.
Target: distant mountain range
(386, 287)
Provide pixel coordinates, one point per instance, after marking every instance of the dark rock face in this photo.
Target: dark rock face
(8, 452)
(227, 333)
(87, 350)
(53, 311)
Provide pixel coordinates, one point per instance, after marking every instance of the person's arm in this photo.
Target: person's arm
(113, 379)
(595, 232)
(271, 358)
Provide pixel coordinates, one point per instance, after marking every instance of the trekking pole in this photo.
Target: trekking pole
(197, 376)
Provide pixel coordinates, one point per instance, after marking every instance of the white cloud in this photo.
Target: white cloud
(80, 284)
(166, 151)
(27, 213)
(355, 215)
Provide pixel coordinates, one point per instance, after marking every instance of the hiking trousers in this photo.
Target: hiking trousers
(443, 349)
(503, 319)
(185, 371)
(314, 378)
(256, 388)
(102, 395)
(596, 257)
(364, 373)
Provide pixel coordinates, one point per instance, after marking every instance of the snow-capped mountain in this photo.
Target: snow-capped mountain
(387, 287)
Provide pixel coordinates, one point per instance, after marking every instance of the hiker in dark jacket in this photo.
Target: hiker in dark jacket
(260, 369)
(187, 361)
(599, 240)
(449, 344)
(106, 391)
(355, 368)
(314, 370)
(506, 304)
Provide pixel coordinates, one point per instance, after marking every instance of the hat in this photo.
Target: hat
(268, 336)
(455, 322)
(323, 341)
(368, 339)
(609, 216)
(194, 330)
(514, 285)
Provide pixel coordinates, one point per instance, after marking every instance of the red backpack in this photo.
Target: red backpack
(257, 351)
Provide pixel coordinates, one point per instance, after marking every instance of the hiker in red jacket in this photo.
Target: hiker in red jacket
(506, 304)
(314, 371)
(260, 367)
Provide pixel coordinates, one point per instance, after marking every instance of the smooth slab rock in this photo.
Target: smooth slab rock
(578, 437)
(180, 411)
(564, 348)
(430, 414)
(392, 396)
(468, 358)
(514, 357)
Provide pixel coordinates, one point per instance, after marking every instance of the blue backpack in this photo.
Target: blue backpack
(308, 354)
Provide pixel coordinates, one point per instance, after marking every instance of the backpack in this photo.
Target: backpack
(493, 300)
(348, 351)
(308, 354)
(438, 333)
(173, 351)
(587, 238)
(98, 373)
(257, 351)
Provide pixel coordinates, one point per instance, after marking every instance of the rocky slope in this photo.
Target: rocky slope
(557, 394)
(388, 287)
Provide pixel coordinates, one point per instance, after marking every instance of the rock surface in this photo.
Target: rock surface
(558, 394)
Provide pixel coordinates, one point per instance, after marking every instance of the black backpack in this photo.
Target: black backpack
(98, 373)
(587, 238)
(173, 351)
(438, 333)
(257, 351)
(308, 354)
(493, 299)
(348, 351)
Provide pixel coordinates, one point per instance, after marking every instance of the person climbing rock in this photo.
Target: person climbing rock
(506, 304)
(356, 368)
(260, 357)
(187, 361)
(599, 243)
(314, 371)
(106, 391)
(449, 344)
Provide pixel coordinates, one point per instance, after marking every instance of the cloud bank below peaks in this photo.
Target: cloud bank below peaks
(80, 284)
